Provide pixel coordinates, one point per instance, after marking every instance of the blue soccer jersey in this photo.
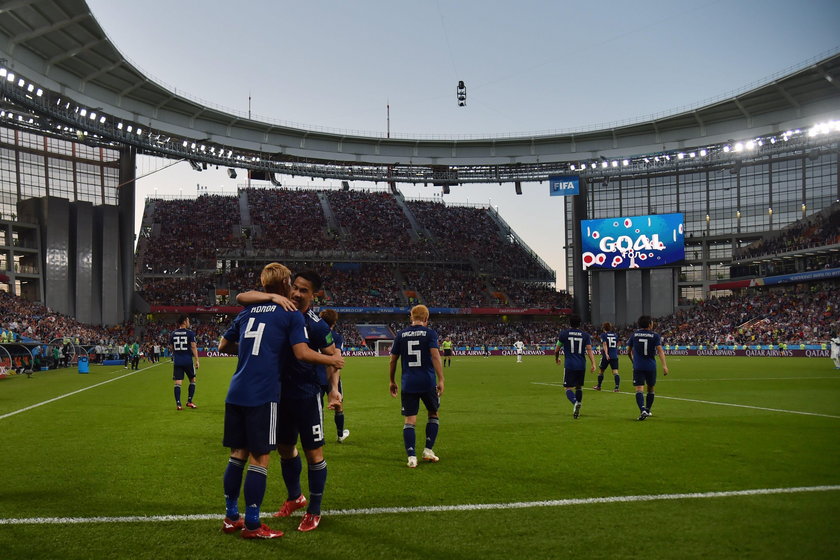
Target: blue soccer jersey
(574, 343)
(181, 340)
(265, 333)
(612, 345)
(644, 343)
(301, 380)
(413, 345)
(338, 340)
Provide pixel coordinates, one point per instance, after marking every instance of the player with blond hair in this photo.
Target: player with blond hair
(417, 349)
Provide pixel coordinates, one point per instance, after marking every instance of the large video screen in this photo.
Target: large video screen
(633, 241)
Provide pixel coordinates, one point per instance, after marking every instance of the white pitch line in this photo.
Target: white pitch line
(426, 509)
(58, 398)
(658, 396)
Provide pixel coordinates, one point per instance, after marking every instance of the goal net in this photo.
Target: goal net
(383, 347)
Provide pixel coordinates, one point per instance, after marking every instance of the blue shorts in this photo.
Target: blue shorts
(251, 427)
(612, 362)
(178, 372)
(644, 378)
(574, 378)
(302, 418)
(411, 402)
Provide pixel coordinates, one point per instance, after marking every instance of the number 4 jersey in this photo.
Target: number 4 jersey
(266, 334)
(413, 345)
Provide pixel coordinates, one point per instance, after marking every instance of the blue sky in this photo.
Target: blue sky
(529, 66)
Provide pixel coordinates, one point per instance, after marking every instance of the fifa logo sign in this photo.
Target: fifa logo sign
(564, 185)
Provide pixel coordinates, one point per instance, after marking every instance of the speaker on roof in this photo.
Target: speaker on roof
(345, 186)
(518, 186)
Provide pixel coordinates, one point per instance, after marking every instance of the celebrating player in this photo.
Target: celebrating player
(417, 348)
(301, 411)
(644, 345)
(262, 335)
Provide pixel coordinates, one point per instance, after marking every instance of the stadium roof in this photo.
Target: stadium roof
(59, 45)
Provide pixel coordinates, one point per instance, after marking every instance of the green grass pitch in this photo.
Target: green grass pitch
(96, 449)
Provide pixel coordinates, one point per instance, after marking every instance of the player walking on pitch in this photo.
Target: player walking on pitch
(417, 349)
(609, 356)
(576, 345)
(643, 347)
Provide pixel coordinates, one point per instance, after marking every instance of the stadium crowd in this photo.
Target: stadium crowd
(816, 231)
(289, 219)
(191, 231)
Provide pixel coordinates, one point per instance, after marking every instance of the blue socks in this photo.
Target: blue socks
(579, 395)
(339, 423)
(571, 396)
(191, 392)
(432, 432)
(232, 482)
(617, 380)
(640, 400)
(178, 395)
(254, 492)
(600, 379)
(649, 401)
(409, 439)
(291, 469)
(317, 482)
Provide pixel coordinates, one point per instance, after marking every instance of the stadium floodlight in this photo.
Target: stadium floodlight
(572, 167)
(680, 155)
(3, 72)
(92, 116)
(10, 77)
(39, 92)
(83, 112)
(30, 88)
(703, 152)
(625, 162)
(21, 82)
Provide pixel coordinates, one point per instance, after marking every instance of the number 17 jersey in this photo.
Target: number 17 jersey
(574, 343)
